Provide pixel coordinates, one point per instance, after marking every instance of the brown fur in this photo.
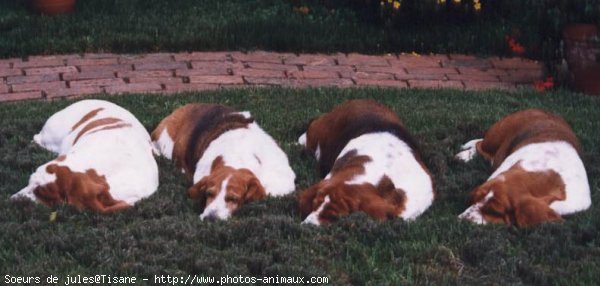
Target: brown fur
(333, 130)
(242, 186)
(86, 117)
(381, 202)
(94, 124)
(82, 190)
(520, 197)
(182, 127)
(522, 128)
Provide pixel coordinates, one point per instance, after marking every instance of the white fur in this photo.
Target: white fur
(473, 213)
(302, 139)
(239, 147)
(313, 218)
(57, 136)
(468, 150)
(560, 157)
(164, 145)
(123, 155)
(218, 207)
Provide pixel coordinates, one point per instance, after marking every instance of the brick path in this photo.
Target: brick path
(49, 77)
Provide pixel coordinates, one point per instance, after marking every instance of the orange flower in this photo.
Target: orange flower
(542, 85)
(302, 10)
(514, 46)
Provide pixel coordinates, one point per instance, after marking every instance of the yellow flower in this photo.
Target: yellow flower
(456, 1)
(396, 5)
(389, 1)
(441, 2)
(477, 6)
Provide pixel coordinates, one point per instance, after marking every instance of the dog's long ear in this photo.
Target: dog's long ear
(532, 212)
(480, 192)
(197, 192)
(388, 201)
(305, 200)
(254, 190)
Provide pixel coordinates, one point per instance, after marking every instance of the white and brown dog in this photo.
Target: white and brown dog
(105, 160)
(232, 160)
(538, 175)
(371, 162)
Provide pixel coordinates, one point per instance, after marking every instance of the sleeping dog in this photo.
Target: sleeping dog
(538, 175)
(105, 160)
(229, 157)
(370, 162)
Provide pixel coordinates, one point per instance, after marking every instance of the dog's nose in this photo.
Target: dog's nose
(211, 216)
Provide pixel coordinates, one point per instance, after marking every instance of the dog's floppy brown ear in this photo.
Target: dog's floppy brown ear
(388, 201)
(254, 191)
(197, 192)
(532, 212)
(305, 200)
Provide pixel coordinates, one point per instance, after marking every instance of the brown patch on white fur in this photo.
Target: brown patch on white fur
(242, 186)
(83, 190)
(193, 127)
(86, 117)
(96, 123)
(381, 202)
(522, 128)
(520, 197)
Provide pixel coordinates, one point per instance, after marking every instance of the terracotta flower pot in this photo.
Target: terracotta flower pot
(582, 46)
(53, 7)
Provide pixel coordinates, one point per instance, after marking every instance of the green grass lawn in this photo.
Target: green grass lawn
(134, 26)
(163, 234)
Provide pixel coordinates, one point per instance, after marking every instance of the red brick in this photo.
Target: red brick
(38, 86)
(340, 69)
(10, 72)
(147, 58)
(88, 75)
(216, 79)
(435, 84)
(268, 81)
(50, 70)
(262, 57)
(100, 56)
(157, 73)
(21, 96)
(383, 83)
(159, 80)
(3, 88)
(476, 71)
(364, 60)
(430, 71)
(312, 74)
(368, 75)
(412, 61)
(160, 66)
(487, 85)
(390, 70)
(93, 62)
(522, 76)
(202, 56)
(132, 88)
(473, 77)
(420, 76)
(216, 70)
(32, 78)
(258, 73)
(112, 68)
(462, 57)
(311, 60)
(36, 63)
(96, 82)
(182, 87)
(474, 63)
(65, 92)
(516, 63)
(275, 67)
(322, 82)
(5, 64)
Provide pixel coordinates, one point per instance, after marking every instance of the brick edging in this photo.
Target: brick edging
(49, 77)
